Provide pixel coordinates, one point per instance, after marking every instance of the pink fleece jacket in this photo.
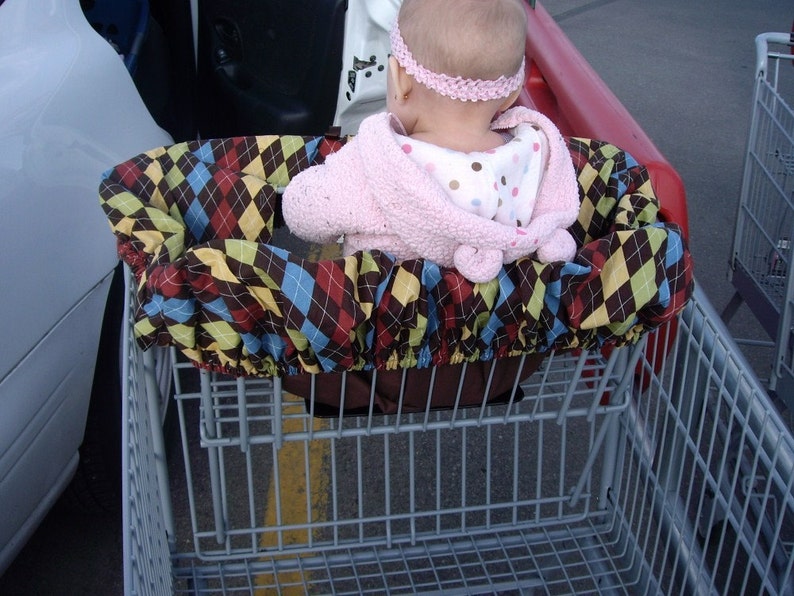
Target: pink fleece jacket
(378, 198)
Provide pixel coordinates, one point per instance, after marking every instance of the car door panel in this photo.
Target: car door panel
(268, 66)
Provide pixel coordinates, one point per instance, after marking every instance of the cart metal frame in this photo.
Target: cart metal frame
(658, 469)
(762, 266)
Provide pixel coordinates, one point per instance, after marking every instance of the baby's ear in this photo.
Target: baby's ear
(401, 81)
(511, 99)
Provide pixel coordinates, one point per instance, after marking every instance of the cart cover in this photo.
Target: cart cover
(195, 220)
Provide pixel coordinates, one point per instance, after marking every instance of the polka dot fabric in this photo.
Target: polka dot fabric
(500, 184)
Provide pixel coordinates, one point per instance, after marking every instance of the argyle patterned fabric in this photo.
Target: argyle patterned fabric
(194, 221)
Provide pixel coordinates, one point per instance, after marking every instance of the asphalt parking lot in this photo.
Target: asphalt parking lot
(685, 71)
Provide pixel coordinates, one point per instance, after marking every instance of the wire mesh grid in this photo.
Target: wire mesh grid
(713, 470)
(147, 567)
(761, 261)
(767, 208)
(280, 479)
(683, 486)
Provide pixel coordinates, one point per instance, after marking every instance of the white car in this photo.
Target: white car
(68, 111)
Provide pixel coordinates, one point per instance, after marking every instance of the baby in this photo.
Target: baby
(448, 173)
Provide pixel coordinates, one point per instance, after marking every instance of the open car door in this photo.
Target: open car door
(268, 66)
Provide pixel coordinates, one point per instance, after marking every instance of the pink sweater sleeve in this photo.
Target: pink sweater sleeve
(323, 202)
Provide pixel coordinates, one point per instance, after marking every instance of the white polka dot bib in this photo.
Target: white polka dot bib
(499, 184)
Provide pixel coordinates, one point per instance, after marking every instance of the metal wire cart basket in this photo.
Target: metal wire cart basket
(761, 264)
(552, 431)
(683, 487)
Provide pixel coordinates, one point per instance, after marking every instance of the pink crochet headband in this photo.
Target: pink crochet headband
(453, 87)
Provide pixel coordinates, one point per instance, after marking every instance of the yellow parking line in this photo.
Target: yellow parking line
(299, 497)
(299, 493)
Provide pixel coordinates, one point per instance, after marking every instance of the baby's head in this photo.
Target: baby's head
(466, 51)
(472, 39)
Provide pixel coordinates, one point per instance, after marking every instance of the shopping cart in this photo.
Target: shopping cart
(685, 487)
(761, 260)
(632, 461)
